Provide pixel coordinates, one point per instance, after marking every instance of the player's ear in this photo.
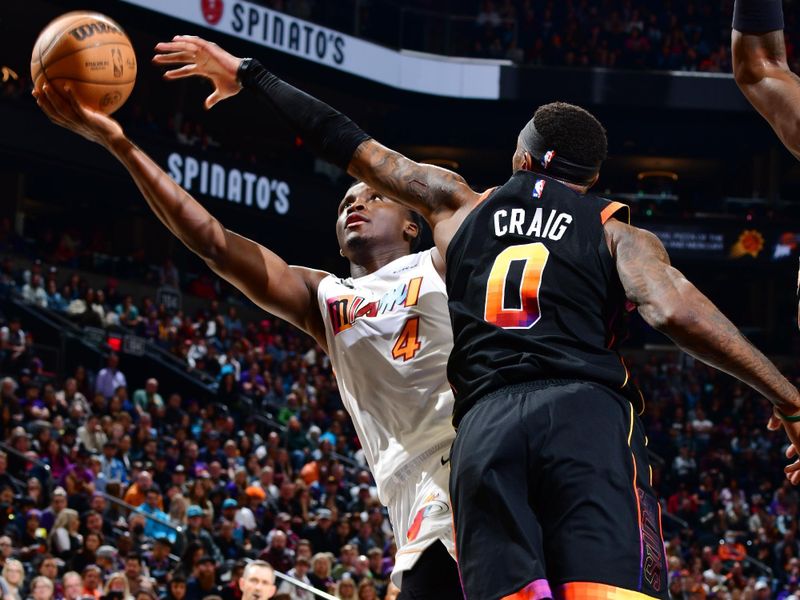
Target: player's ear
(411, 230)
(527, 161)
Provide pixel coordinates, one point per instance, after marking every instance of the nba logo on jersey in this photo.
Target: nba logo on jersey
(538, 188)
(548, 157)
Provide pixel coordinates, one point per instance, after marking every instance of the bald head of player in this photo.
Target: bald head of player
(257, 581)
(565, 142)
(373, 230)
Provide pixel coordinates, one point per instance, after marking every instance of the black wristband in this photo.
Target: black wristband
(758, 16)
(242, 69)
(326, 131)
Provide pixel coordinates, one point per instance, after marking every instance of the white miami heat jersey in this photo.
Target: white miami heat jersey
(389, 337)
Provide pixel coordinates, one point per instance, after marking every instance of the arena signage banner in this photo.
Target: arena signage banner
(210, 179)
(405, 70)
(725, 241)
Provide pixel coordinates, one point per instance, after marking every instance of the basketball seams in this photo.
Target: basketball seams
(92, 81)
(96, 45)
(121, 42)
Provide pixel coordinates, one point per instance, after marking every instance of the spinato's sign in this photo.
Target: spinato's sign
(211, 179)
(411, 71)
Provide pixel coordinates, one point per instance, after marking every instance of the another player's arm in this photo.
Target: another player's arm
(285, 291)
(436, 193)
(675, 307)
(761, 70)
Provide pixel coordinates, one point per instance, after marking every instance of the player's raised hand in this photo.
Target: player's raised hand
(64, 109)
(200, 57)
(792, 429)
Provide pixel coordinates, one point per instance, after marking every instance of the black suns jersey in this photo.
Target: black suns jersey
(534, 293)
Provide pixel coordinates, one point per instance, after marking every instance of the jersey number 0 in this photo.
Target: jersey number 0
(513, 302)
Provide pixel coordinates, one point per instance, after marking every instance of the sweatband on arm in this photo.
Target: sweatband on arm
(327, 132)
(757, 16)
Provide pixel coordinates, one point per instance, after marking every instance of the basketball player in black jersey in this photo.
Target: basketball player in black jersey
(550, 481)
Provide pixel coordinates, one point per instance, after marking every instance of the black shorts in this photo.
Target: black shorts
(433, 577)
(552, 496)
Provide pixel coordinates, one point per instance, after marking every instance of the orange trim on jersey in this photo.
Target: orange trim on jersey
(486, 194)
(535, 590)
(584, 590)
(612, 208)
(638, 500)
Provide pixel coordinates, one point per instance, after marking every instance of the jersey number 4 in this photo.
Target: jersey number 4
(407, 344)
(512, 291)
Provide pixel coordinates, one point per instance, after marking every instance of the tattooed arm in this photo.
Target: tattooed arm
(763, 75)
(435, 192)
(676, 308)
(441, 196)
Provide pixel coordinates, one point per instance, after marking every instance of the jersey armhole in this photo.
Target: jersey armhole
(612, 209)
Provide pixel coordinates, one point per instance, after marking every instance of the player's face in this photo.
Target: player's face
(257, 584)
(365, 217)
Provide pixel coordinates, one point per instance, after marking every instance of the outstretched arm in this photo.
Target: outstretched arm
(435, 192)
(761, 70)
(675, 307)
(672, 305)
(287, 292)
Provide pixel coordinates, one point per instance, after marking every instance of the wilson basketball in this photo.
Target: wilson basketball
(90, 52)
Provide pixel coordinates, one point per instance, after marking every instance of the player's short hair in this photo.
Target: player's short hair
(573, 132)
(255, 564)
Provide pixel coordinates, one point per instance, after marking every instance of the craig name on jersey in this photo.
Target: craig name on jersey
(532, 222)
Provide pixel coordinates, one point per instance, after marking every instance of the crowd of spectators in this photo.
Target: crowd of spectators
(298, 493)
(634, 34)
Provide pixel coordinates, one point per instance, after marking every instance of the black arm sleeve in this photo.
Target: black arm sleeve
(330, 134)
(757, 16)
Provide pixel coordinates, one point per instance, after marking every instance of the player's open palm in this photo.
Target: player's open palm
(200, 57)
(64, 109)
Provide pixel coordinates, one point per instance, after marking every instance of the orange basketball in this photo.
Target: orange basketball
(90, 52)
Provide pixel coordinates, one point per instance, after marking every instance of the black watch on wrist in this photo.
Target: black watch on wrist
(242, 69)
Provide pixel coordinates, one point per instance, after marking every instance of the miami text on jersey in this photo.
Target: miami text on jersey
(345, 310)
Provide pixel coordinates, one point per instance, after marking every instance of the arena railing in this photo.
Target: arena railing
(763, 568)
(50, 485)
(272, 423)
(39, 463)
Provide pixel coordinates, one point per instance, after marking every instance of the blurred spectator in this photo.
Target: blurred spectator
(13, 344)
(64, 539)
(42, 588)
(110, 378)
(168, 274)
(299, 572)
(73, 585)
(13, 579)
(148, 399)
(34, 292)
(203, 582)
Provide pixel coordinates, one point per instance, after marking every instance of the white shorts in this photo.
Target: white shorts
(420, 509)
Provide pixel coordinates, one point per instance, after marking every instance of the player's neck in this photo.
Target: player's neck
(369, 260)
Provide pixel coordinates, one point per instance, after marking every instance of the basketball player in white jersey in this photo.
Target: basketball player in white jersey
(386, 328)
